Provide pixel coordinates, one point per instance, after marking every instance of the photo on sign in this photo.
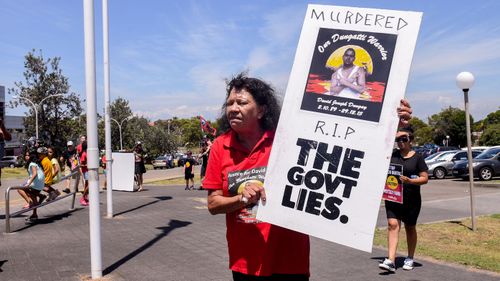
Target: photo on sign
(349, 73)
(237, 180)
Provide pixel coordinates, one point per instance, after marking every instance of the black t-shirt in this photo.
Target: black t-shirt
(188, 166)
(68, 155)
(411, 168)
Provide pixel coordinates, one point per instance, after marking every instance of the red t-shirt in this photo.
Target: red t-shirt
(83, 162)
(258, 248)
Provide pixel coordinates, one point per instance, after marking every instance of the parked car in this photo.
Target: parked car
(480, 148)
(160, 163)
(434, 156)
(442, 166)
(11, 161)
(485, 166)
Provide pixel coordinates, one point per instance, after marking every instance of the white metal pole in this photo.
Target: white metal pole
(107, 108)
(469, 157)
(92, 150)
(121, 140)
(36, 122)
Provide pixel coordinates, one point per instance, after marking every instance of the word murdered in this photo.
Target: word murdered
(341, 172)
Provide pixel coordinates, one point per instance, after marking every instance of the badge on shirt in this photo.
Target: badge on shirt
(236, 184)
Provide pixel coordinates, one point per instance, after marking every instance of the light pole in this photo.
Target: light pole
(35, 108)
(465, 80)
(447, 140)
(168, 123)
(120, 129)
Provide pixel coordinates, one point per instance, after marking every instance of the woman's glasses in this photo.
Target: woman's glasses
(402, 139)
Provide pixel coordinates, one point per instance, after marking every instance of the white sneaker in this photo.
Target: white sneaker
(388, 265)
(408, 264)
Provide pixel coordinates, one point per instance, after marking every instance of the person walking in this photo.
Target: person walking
(414, 175)
(84, 201)
(204, 153)
(70, 162)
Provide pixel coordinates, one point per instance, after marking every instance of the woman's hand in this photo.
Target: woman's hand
(404, 179)
(253, 192)
(404, 113)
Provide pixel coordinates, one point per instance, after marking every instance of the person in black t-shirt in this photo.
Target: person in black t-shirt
(188, 171)
(414, 175)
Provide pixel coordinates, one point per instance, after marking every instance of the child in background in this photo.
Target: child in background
(84, 201)
(47, 170)
(56, 168)
(34, 185)
(103, 165)
(188, 171)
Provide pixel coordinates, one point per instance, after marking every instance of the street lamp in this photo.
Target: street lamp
(447, 140)
(465, 80)
(120, 129)
(35, 108)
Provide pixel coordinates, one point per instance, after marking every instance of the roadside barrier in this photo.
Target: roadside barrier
(74, 175)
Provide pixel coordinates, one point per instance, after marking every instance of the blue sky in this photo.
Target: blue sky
(170, 58)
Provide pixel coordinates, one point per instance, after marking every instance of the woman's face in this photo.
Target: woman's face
(242, 112)
(27, 156)
(403, 140)
(50, 153)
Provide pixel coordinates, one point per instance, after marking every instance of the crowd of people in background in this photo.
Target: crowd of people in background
(46, 167)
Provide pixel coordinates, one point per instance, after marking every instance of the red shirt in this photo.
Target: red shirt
(259, 248)
(83, 162)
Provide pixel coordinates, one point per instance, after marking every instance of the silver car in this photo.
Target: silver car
(442, 166)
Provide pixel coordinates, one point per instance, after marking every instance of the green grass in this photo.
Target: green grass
(176, 181)
(454, 241)
(14, 173)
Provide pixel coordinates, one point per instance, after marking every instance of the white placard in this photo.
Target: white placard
(332, 148)
(123, 171)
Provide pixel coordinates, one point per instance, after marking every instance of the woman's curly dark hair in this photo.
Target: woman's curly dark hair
(263, 94)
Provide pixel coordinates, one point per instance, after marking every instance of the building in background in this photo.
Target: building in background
(15, 125)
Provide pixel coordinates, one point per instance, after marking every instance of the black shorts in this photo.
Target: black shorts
(407, 212)
(140, 168)
(188, 176)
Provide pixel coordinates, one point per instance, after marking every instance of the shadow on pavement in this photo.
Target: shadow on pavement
(1, 264)
(47, 220)
(165, 231)
(158, 199)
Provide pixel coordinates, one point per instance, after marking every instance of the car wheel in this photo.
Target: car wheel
(11, 166)
(439, 173)
(465, 178)
(485, 174)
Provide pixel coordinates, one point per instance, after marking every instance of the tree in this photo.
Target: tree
(422, 131)
(490, 136)
(58, 117)
(449, 122)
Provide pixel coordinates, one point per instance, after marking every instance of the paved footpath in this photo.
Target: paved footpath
(166, 233)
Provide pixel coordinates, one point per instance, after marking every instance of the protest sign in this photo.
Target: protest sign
(393, 190)
(335, 136)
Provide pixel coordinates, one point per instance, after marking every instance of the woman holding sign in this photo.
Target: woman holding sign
(414, 175)
(235, 184)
